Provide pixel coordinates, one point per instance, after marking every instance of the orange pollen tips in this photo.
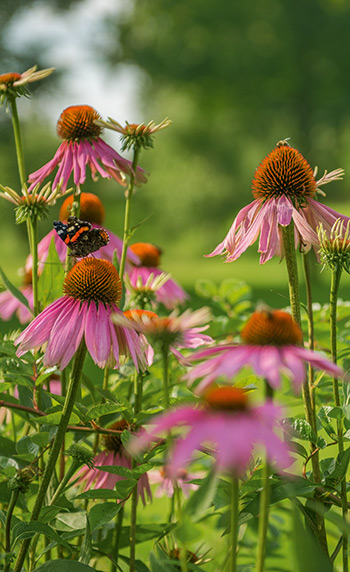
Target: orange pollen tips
(91, 208)
(94, 279)
(77, 122)
(276, 328)
(140, 316)
(284, 172)
(147, 253)
(9, 78)
(114, 442)
(227, 398)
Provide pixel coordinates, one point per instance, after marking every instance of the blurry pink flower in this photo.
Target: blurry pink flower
(271, 347)
(81, 147)
(10, 306)
(225, 421)
(114, 455)
(92, 291)
(284, 186)
(167, 483)
(170, 294)
(173, 330)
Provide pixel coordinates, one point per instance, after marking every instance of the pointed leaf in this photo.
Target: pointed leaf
(14, 291)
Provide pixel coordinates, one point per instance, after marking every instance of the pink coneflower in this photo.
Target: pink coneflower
(284, 187)
(91, 210)
(169, 294)
(175, 331)
(271, 346)
(82, 146)
(92, 291)
(228, 423)
(10, 305)
(167, 483)
(113, 455)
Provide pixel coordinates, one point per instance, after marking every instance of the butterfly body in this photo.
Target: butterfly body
(80, 237)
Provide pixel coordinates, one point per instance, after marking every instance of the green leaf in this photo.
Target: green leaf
(104, 409)
(307, 553)
(203, 497)
(99, 494)
(187, 531)
(102, 513)
(55, 418)
(14, 291)
(51, 278)
(124, 471)
(27, 530)
(301, 429)
(326, 422)
(65, 566)
(67, 521)
(26, 446)
(86, 547)
(42, 438)
(8, 466)
(206, 288)
(340, 468)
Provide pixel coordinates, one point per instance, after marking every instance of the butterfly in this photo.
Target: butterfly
(80, 237)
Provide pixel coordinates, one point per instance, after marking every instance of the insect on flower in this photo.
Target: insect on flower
(80, 237)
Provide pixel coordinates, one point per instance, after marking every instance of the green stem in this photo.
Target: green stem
(133, 510)
(293, 281)
(32, 229)
(126, 233)
(166, 389)
(335, 282)
(56, 447)
(118, 531)
(234, 524)
(10, 509)
(18, 141)
(263, 519)
(292, 269)
(310, 321)
(183, 549)
(66, 478)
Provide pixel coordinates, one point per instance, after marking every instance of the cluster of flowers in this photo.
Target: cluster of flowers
(221, 419)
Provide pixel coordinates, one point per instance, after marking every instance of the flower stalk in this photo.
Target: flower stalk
(133, 510)
(234, 524)
(10, 509)
(56, 447)
(335, 282)
(128, 194)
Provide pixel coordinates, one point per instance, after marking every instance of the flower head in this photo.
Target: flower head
(115, 454)
(32, 204)
(284, 188)
(227, 422)
(82, 146)
(133, 135)
(271, 346)
(14, 84)
(169, 293)
(335, 245)
(166, 483)
(92, 290)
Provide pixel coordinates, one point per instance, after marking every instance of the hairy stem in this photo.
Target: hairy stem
(126, 233)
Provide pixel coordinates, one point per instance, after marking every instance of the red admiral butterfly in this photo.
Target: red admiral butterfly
(80, 237)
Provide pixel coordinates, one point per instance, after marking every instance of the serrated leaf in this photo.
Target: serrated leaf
(301, 429)
(102, 513)
(14, 291)
(104, 409)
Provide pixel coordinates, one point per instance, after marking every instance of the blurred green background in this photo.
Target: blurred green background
(235, 77)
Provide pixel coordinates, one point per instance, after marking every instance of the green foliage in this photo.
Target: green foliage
(51, 278)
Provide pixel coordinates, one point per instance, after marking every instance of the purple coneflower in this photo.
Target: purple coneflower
(92, 290)
(284, 188)
(226, 421)
(271, 346)
(82, 146)
(115, 455)
(169, 294)
(175, 331)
